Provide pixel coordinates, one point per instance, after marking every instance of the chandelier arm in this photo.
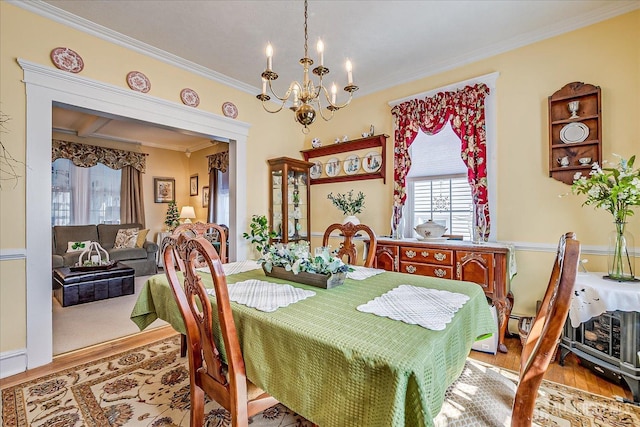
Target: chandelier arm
(326, 118)
(264, 105)
(287, 95)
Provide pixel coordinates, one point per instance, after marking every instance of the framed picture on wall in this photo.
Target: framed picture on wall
(205, 197)
(164, 190)
(193, 185)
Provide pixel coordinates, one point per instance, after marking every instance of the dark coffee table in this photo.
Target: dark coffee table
(79, 287)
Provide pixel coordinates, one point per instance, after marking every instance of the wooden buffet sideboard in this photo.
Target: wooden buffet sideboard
(484, 264)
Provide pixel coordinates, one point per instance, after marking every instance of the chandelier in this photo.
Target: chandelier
(306, 97)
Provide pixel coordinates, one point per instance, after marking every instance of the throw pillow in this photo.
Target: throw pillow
(126, 238)
(142, 237)
(78, 246)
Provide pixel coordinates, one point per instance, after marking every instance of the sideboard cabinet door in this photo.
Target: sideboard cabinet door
(477, 268)
(386, 257)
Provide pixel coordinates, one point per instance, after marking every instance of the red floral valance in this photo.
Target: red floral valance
(464, 109)
(219, 161)
(86, 156)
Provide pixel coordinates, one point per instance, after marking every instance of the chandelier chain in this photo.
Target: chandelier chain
(306, 35)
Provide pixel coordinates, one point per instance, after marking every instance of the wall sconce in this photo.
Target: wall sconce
(187, 153)
(187, 213)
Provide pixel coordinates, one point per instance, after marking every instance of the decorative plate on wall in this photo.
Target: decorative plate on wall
(189, 97)
(138, 81)
(351, 164)
(67, 60)
(574, 132)
(230, 110)
(372, 162)
(316, 170)
(332, 167)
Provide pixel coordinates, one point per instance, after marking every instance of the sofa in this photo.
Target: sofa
(141, 259)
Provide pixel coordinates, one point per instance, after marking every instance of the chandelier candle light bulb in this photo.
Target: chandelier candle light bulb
(320, 47)
(349, 72)
(269, 56)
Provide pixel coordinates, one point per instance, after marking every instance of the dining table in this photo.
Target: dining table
(336, 365)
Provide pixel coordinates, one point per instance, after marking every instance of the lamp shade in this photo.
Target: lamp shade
(187, 213)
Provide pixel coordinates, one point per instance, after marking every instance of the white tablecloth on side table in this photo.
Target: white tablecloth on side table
(593, 295)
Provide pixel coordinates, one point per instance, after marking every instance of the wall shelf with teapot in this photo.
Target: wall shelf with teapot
(575, 130)
(368, 163)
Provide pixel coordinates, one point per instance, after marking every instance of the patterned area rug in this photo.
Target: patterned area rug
(149, 386)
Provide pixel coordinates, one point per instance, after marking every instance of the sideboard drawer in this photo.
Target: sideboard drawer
(426, 255)
(441, 271)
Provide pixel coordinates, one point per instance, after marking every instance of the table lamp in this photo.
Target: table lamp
(187, 213)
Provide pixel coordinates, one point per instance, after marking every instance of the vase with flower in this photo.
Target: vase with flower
(617, 190)
(349, 204)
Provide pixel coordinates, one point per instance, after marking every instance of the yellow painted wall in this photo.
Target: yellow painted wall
(269, 135)
(529, 209)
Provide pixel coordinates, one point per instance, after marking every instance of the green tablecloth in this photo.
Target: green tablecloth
(337, 366)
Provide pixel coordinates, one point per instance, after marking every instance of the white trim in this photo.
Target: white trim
(488, 79)
(45, 87)
(11, 254)
(612, 9)
(63, 17)
(12, 362)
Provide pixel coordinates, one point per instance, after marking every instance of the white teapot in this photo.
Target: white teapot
(430, 229)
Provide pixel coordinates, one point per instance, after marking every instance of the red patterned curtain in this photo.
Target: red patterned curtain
(464, 109)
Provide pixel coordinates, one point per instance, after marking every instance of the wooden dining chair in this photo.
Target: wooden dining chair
(347, 247)
(211, 231)
(218, 373)
(482, 396)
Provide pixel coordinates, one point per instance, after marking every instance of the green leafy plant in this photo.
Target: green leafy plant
(348, 203)
(296, 257)
(259, 234)
(615, 189)
(172, 219)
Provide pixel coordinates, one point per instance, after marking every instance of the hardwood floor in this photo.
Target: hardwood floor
(571, 374)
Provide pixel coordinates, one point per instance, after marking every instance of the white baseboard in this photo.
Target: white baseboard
(13, 362)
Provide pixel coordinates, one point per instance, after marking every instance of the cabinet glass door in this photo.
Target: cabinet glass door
(277, 207)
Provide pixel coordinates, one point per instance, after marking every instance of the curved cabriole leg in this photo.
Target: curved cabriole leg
(503, 307)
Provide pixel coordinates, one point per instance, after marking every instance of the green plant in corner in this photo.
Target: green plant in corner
(348, 203)
(172, 220)
(259, 234)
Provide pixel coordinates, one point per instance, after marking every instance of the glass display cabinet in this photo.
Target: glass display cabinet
(289, 213)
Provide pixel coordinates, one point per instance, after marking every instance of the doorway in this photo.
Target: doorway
(46, 87)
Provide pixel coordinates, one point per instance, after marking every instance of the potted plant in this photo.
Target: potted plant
(349, 205)
(259, 234)
(172, 219)
(617, 190)
(294, 262)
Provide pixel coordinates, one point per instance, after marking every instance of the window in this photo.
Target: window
(437, 186)
(84, 195)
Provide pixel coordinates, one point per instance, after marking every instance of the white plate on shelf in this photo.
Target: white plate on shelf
(372, 162)
(431, 239)
(332, 167)
(574, 132)
(316, 170)
(351, 164)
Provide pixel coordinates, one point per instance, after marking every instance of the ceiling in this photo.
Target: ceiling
(388, 42)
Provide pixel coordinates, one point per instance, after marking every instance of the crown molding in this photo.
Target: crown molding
(60, 16)
(611, 10)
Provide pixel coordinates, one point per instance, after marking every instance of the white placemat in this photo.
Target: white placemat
(361, 273)
(264, 296)
(235, 267)
(429, 308)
